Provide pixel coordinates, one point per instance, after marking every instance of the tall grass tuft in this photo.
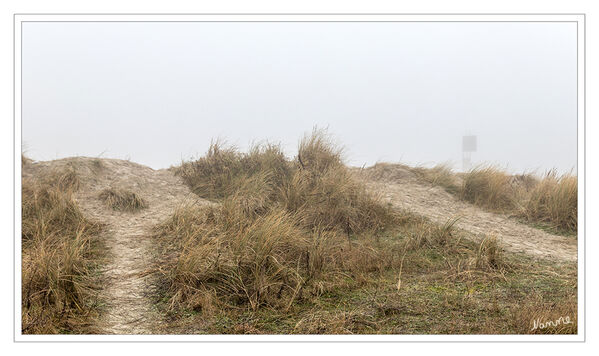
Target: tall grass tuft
(440, 174)
(122, 200)
(221, 171)
(316, 185)
(282, 228)
(551, 200)
(554, 200)
(489, 187)
(228, 258)
(333, 200)
(59, 256)
(318, 153)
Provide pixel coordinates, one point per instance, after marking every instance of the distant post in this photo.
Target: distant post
(468, 146)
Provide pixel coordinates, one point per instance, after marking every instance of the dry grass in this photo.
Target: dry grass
(551, 200)
(489, 187)
(490, 256)
(59, 257)
(122, 200)
(223, 169)
(299, 246)
(237, 262)
(282, 229)
(318, 153)
(338, 322)
(441, 175)
(554, 201)
(231, 256)
(316, 185)
(234, 255)
(98, 165)
(325, 195)
(295, 253)
(416, 278)
(292, 246)
(333, 200)
(25, 160)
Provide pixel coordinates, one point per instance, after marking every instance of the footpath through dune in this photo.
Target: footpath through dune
(403, 189)
(128, 287)
(127, 290)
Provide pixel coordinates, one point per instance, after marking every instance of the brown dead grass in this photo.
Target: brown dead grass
(59, 256)
(294, 245)
(281, 227)
(286, 233)
(554, 201)
(489, 187)
(441, 175)
(122, 200)
(549, 201)
(416, 278)
(223, 169)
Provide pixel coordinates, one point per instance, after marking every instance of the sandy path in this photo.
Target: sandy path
(128, 288)
(404, 190)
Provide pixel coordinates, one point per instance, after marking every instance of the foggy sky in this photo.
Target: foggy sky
(158, 92)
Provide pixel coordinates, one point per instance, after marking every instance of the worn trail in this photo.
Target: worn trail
(128, 287)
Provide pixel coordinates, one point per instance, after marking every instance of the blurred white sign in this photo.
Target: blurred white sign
(469, 144)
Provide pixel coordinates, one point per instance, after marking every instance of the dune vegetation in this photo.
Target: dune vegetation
(300, 246)
(281, 228)
(270, 244)
(122, 199)
(60, 254)
(549, 201)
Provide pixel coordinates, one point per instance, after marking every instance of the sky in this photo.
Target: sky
(157, 93)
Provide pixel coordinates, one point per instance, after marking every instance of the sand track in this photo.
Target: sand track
(127, 289)
(404, 190)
